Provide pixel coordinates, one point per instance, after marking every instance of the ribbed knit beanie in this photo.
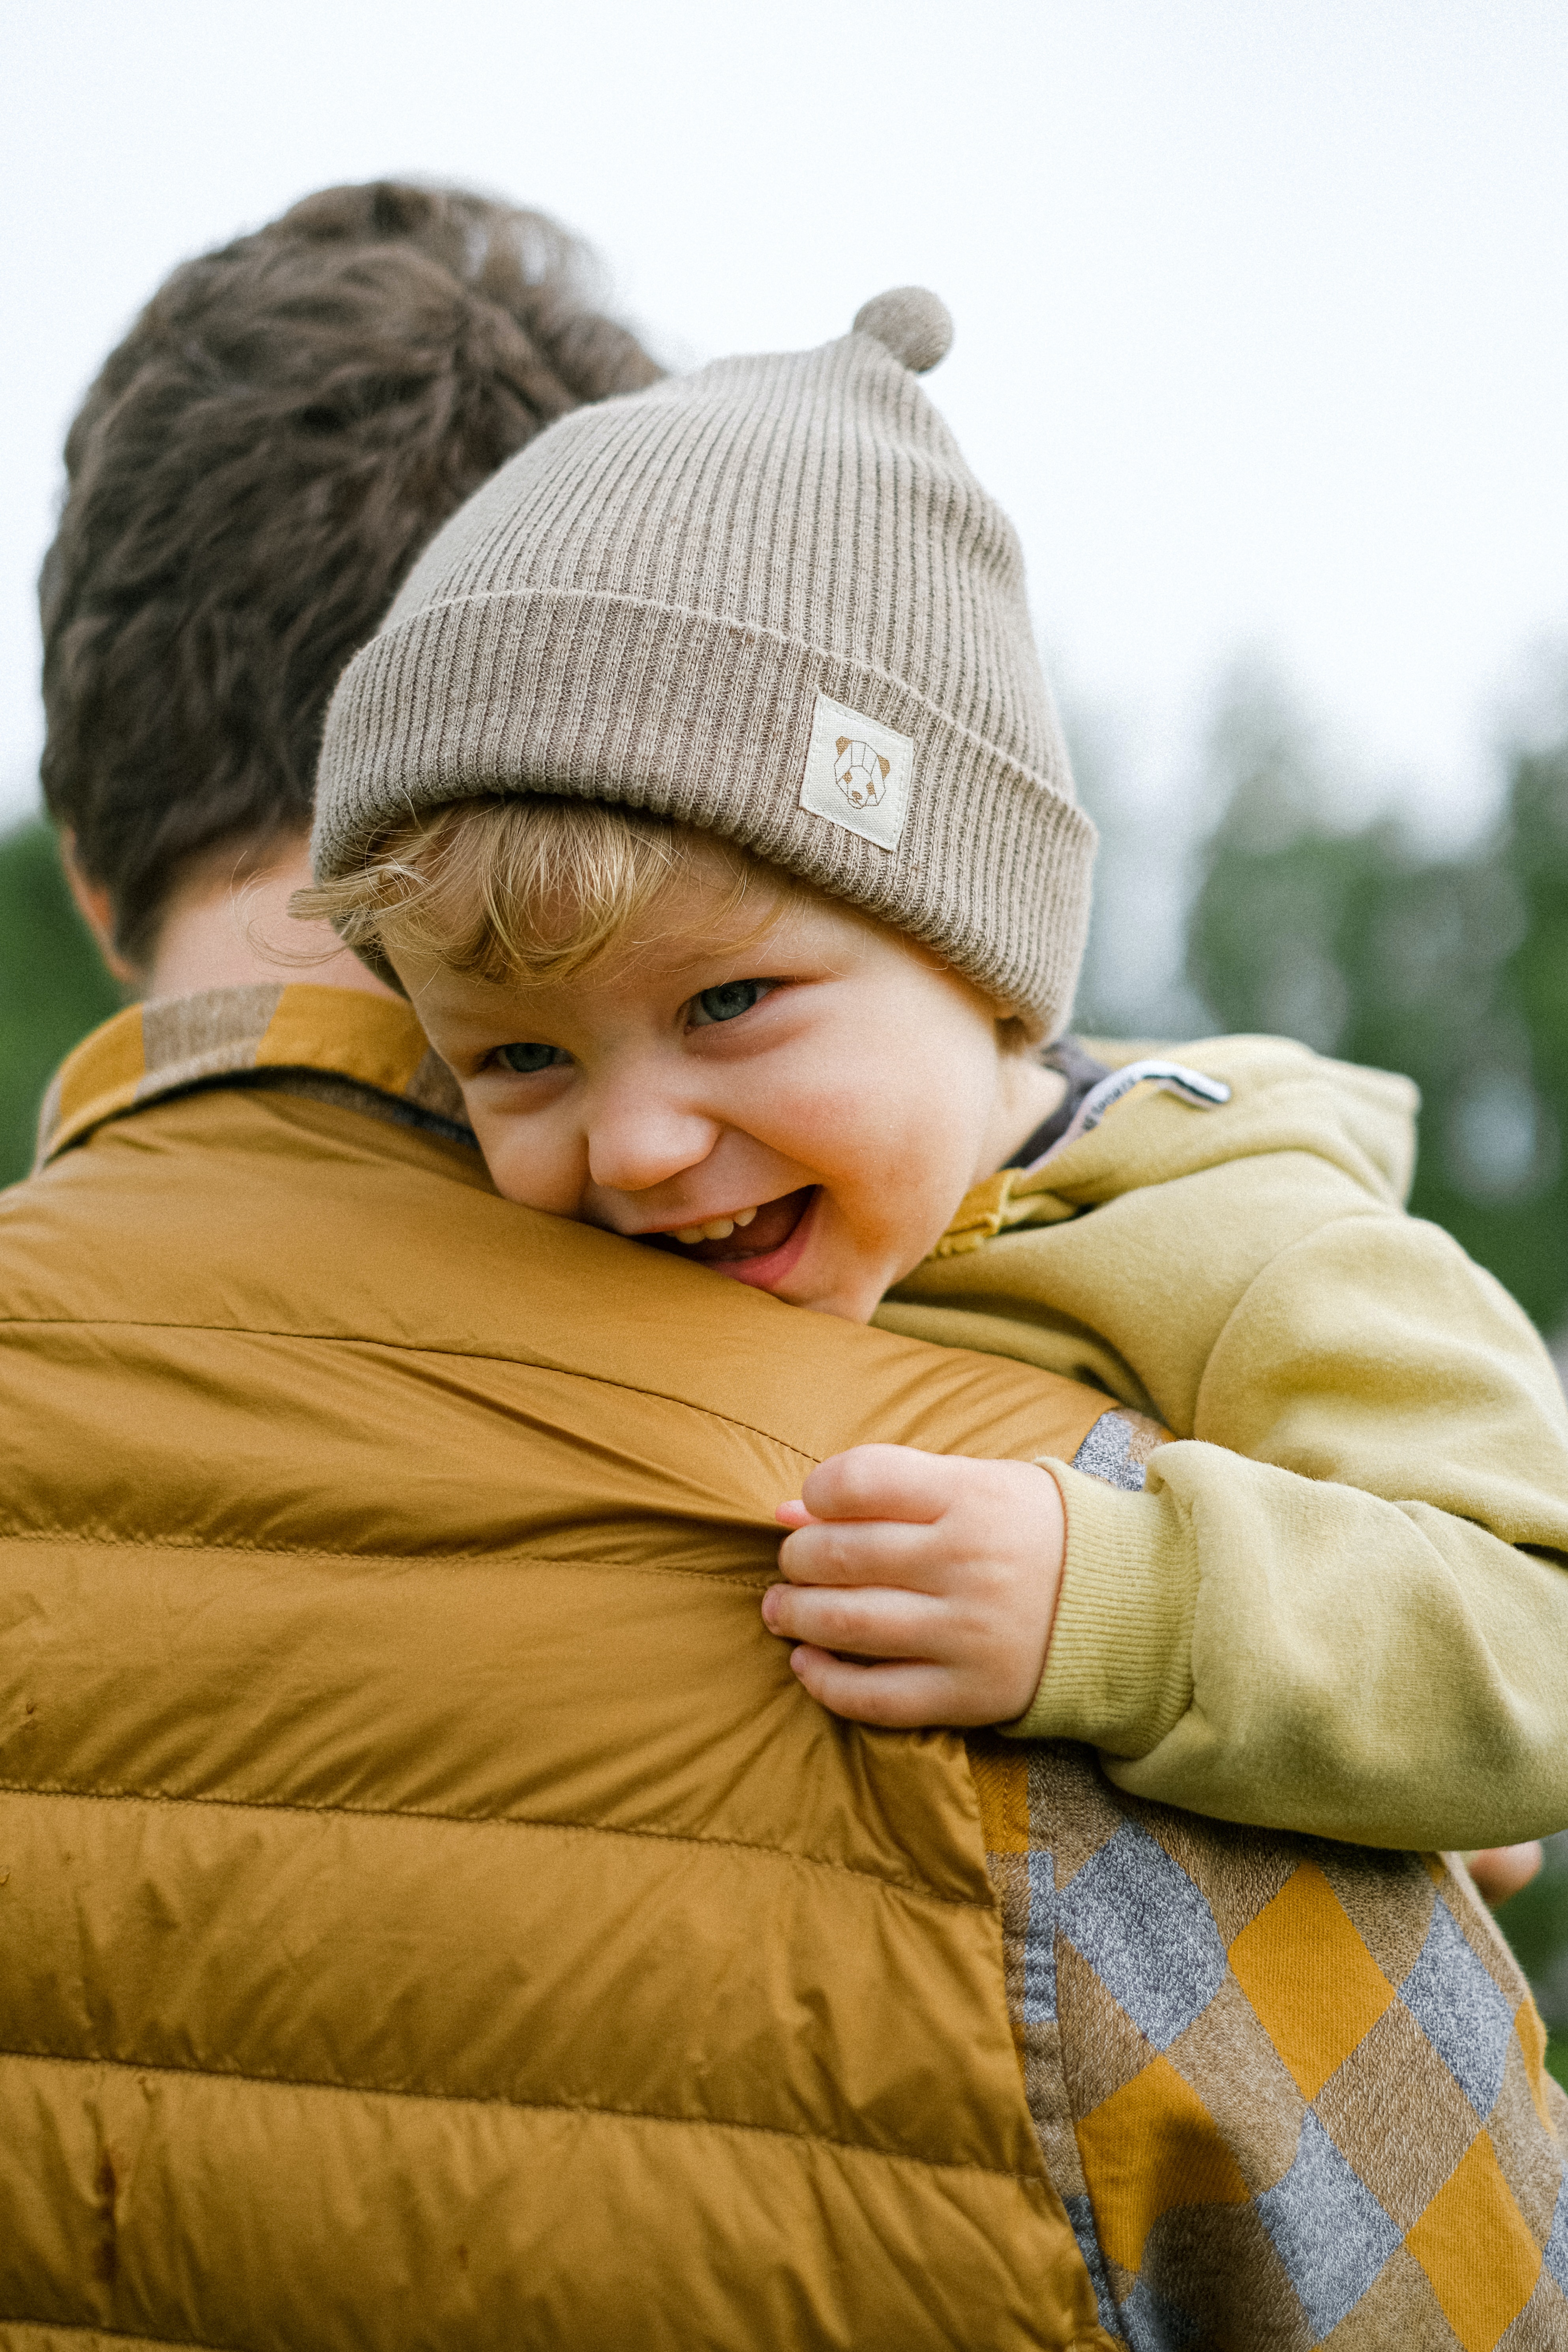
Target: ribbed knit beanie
(768, 599)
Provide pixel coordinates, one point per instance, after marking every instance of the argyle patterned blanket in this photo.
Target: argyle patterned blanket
(1291, 2093)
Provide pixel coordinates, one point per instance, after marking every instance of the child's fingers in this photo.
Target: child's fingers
(874, 1620)
(898, 1697)
(880, 1482)
(866, 1551)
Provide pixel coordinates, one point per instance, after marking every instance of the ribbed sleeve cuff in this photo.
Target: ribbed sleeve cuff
(1119, 1673)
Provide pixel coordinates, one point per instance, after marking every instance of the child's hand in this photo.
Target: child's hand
(1500, 1871)
(940, 1571)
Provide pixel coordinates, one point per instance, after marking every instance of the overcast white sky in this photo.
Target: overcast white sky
(1260, 307)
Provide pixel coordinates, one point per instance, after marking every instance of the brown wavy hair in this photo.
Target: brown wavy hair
(258, 464)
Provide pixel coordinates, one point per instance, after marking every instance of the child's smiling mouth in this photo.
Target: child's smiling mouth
(760, 1251)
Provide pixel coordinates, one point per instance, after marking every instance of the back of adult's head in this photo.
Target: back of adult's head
(259, 462)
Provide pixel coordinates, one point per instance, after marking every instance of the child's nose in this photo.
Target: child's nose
(636, 1143)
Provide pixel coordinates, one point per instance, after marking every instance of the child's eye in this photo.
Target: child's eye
(528, 1059)
(728, 1003)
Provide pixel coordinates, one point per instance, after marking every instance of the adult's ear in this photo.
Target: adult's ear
(96, 908)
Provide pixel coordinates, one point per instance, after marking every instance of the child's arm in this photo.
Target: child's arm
(1357, 1559)
(940, 1576)
(1344, 1611)
(1341, 1605)
(921, 1589)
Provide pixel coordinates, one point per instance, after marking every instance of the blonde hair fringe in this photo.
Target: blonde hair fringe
(531, 889)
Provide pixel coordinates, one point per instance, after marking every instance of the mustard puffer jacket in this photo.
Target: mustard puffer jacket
(431, 1913)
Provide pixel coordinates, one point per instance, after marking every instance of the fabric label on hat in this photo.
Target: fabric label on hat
(858, 773)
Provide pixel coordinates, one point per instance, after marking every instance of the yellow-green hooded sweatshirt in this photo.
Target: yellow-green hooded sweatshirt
(1338, 1605)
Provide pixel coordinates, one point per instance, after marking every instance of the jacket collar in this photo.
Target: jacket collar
(340, 1041)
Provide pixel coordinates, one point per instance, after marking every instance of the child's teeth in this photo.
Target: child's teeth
(717, 1229)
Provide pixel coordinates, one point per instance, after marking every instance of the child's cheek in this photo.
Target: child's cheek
(514, 1168)
(888, 1225)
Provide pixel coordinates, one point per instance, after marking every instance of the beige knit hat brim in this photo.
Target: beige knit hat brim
(705, 721)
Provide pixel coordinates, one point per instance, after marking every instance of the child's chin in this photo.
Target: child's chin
(852, 1299)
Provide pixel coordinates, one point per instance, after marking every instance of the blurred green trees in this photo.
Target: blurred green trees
(53, 989)
(1454, 969)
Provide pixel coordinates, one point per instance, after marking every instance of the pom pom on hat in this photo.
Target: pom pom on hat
(911, 323)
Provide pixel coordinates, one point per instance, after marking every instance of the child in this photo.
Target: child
(704, 793)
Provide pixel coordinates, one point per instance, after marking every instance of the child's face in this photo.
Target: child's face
(819, 1095)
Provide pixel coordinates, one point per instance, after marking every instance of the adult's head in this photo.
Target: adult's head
(252, 473)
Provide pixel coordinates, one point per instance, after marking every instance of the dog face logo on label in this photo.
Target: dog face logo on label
(860, 773)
